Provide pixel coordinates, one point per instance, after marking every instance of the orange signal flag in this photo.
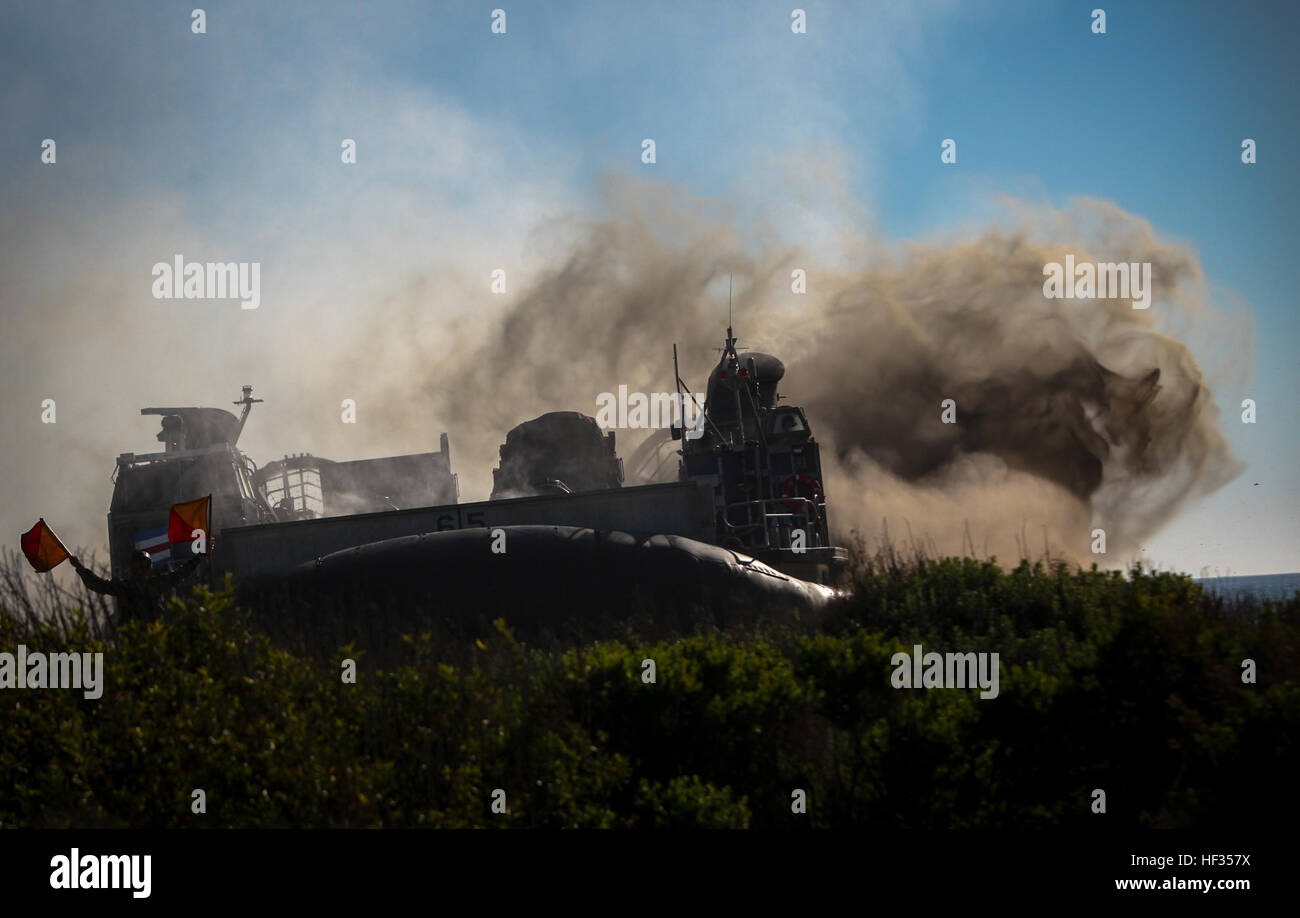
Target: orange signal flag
(42, 547)
(187, 517)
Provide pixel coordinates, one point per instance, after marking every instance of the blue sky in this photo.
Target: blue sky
(222, 136)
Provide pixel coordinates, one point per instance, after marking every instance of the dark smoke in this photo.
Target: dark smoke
(1072, 414)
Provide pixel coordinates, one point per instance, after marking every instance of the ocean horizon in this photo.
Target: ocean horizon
(1262, 586)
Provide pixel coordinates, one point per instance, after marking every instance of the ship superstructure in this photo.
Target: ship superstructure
(748, 507)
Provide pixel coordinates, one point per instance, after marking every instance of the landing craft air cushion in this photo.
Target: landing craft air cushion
(745, 519)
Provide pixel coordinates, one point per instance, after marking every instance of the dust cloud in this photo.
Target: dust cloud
(1071, 414)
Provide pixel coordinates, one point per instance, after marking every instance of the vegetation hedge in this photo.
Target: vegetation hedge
(1128, 682)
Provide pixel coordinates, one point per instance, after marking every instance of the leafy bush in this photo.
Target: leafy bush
(1129, 683)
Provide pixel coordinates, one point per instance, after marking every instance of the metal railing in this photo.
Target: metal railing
(771, 523)
(297, 490)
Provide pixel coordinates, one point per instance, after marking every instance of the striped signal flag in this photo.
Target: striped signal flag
(187, 517)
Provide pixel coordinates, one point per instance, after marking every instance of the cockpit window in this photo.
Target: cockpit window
(787, 421)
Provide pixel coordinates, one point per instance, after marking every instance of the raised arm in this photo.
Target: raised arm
(96, 583)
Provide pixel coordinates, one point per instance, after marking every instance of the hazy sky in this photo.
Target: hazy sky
(474, 149)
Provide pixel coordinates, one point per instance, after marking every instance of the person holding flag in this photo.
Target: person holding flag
(141, 592)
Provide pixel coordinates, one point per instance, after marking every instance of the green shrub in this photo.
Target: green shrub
(1130, 683)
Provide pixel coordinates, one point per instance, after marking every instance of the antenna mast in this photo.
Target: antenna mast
(248, 402)
(677, 381)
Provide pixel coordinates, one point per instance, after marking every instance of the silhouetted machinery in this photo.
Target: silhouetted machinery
(746, 516)
(763, 466)
(561, 452)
